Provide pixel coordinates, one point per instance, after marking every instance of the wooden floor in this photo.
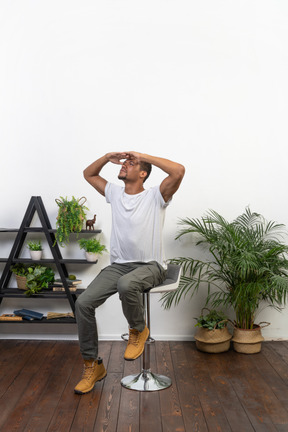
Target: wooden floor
(210, 392)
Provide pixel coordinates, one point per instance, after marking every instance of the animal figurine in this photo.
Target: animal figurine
(90, 223)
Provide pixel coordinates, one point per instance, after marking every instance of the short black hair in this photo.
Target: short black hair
(147, 167)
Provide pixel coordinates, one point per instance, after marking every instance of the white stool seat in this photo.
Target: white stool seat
(146, 380)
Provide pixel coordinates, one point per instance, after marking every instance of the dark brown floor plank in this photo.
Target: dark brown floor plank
(28, 366)
(190, 404)
(234, 411)
(242, 376)
(47, 403)
(272, 378)
(86, 413)
(68, 403)
(150, 410)
(108, 410)
(116, 359)
(274, 408)
(212, 408)
(30, 395)
(169, 398)
(128, 419)
(275, 361)
(16, 353)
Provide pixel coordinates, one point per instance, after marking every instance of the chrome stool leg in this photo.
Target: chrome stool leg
(146, 380)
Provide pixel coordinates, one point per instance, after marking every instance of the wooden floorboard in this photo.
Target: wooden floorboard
(210, 392)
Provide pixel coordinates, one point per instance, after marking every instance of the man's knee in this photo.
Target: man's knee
(126, 285)
(83, 307)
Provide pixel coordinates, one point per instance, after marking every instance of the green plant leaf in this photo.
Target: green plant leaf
(247, 268)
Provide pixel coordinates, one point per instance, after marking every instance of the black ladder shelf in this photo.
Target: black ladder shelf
(36, 205)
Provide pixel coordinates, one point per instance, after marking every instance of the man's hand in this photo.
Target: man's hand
(133, 155)
(116, 157)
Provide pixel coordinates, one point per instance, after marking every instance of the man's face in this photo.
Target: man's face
(130, 170)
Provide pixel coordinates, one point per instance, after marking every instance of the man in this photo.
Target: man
(136, 252)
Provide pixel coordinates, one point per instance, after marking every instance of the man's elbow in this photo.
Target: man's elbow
(180, 172)
(85, 174)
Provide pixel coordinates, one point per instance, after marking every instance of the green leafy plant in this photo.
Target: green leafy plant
(91, 245)
(71, 215)
(34, 245)
(38, 278)
(247, 269)
(213, 320)
(19, 269)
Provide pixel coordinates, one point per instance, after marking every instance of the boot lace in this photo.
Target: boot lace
(134, 337)
(87, 372)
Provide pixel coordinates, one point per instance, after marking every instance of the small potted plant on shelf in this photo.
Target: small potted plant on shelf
(35, 249)
(212, 334)
(92, 248)
(247, 268)
(20, 271)
(70, 219)
(32, 278)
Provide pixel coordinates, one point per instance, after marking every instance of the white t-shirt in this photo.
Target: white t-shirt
(137, 223)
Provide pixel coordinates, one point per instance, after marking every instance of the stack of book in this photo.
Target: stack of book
(72, 284)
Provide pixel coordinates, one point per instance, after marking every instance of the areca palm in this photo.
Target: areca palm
(248, 264)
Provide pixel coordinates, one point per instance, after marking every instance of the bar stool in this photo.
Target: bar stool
(147, 380)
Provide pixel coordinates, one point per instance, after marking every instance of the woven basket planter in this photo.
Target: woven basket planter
(247, 341)
(213, 341)
(21, 282)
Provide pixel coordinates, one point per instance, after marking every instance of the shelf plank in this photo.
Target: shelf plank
(43, 321)
(40, 229)
(15, 292)
(52, 261)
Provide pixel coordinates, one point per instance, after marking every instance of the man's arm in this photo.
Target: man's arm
(92, 172)
(174, 170)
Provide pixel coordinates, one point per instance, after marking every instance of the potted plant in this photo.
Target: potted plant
(38, 278)
(20, 271)
(212, 334)
(247, 268)
(35, 249)
(32, 278)
(71, 215)
(92, 248)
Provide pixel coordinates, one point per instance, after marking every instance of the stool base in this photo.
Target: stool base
(146, 381)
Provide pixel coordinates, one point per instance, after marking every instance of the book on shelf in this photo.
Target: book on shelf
(28, 314)
(10, 317)
(61, 288)
(58, 282)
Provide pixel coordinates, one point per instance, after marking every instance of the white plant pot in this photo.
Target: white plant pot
(92, 257)
(36, 255)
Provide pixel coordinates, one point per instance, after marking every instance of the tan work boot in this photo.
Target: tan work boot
(136, 343)
(94, 371)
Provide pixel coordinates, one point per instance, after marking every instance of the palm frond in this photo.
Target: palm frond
(248, 263)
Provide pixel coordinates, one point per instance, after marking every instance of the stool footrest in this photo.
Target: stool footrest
(146, 381)
(125, 337)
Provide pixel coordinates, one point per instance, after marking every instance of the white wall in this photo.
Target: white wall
(203, 83)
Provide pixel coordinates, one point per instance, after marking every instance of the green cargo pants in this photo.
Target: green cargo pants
(130, 280)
